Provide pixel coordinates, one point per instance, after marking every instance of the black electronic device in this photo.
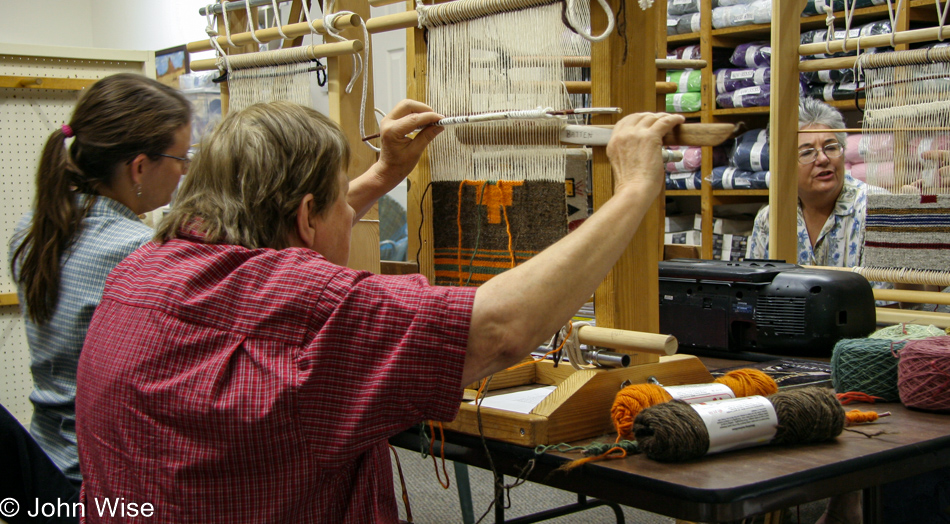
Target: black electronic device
(762, 306)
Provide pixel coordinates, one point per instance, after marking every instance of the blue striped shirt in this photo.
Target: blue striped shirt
(841, 240)
(109, 233)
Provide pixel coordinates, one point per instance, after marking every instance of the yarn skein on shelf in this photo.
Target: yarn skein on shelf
(674, 431)
(924, 374)
(633, 399)
(869, 365)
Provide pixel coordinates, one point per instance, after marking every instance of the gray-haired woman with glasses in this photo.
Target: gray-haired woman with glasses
(831, 204)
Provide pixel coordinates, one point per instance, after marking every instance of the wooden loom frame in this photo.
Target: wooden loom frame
(628, 297)
(344, 107)
(783, 128)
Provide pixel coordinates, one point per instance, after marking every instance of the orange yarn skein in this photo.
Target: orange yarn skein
(856, 416)
(630, 401)
(633, 399)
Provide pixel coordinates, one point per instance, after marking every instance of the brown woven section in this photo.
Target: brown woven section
(495, 233)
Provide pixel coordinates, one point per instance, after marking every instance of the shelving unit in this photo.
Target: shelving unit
(919, 12)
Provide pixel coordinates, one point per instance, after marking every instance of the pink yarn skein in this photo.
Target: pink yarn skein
(923, 374)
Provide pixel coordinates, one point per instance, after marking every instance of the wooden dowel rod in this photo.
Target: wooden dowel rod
(393, 22)
(583, 87)
(346, 47)
(679, 63)
(913, 296)
(577, 87)
(911, 36)
(897, 275)
(272, 33)
(695, 134)
(881, 130)
(595, 135)
(584, 61)
(663, 88)
(630, 341)
(886, 315)
(700, 134)
(824, 64)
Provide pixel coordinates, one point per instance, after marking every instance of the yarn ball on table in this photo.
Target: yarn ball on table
(633, 399)
(869, 365)
(674, 431)
(866, 365)
(907, 332)
(924, 374)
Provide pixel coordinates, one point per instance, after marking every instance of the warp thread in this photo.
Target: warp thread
(674, 431)
(924, 374)
(633, 399)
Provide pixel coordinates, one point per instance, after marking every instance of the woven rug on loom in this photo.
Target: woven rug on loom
(911, 231)
(500, 224)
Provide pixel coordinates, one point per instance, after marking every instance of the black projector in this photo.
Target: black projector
(762, 306)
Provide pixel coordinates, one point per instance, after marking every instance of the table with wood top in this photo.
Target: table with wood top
(738, 484)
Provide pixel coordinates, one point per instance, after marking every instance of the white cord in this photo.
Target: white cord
(358, 62)
(580, 27)
(572, 346)
(222, 62)
(277, 22)
(250, 26)
(227, 24)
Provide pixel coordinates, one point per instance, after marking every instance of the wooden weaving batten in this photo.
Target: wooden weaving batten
(681, 135)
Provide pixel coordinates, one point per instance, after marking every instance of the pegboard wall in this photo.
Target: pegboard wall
(27, 117)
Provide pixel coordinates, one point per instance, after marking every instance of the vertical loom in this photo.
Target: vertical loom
(285, 74)
(478, 172)
(906, 126)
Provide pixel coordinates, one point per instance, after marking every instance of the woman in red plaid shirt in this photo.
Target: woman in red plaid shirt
(236, 371)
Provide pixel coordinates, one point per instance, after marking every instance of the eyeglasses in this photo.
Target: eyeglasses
(185, 161)
(807, 156)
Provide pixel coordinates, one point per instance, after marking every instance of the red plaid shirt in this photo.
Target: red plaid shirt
(222, 384)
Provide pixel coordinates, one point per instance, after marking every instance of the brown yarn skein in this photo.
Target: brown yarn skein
(674, 432)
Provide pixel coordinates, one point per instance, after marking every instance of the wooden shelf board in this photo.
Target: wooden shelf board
(682, 39)
(759, 110)
(756, 31)
(684, 192)
(32, 82)
(764, 31)
(692, 114)
(9, 299)
(741, 192)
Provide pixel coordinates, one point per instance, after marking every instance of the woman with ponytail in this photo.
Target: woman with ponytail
(122, 154)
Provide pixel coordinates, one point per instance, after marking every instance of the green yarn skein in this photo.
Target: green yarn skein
(866, 365)
(869, 364)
